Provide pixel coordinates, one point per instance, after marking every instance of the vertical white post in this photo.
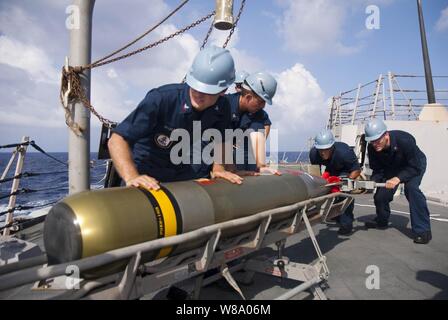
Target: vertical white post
(80, 54)
(358, 92)
(377, 92)
(392, 95)
(339, 107)
(8, 166)
(15, 183)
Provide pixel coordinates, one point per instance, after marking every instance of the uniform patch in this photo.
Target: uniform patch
(162, 141)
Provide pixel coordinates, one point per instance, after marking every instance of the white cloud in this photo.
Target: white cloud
(299, 107)
(442, 23)
(320, 25)
(111, 73)
(243, 59)
(166, 63)
(29, 58)
(28, 103)
(34, 42)
(311, 26)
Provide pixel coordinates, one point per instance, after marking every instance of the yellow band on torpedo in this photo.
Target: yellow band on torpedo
(169, 218)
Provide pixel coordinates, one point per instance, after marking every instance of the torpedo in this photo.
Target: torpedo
(94, 222)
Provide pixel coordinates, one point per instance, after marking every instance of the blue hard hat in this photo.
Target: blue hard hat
(324, 139)
(212, 71)
(374, 129)
(240, 76)
(263, 84)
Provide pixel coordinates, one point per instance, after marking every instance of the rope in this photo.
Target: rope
(72, 90)
(35, 146)
(22, 208)
(20, 175)
(29, 174)
(140, 37)
(22, 221)
(19, 191)
(415, 76)
(362, 86)
(76, 92)
(14, 145)
(71, 81)
(25, 190)
(12, 224)
(79, 69)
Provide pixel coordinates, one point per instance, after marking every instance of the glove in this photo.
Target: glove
(332, 179)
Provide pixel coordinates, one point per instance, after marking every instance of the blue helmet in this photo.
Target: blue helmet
(212, 71)
(240, 76)
(263, 84)
(324, 139)
(374, 129)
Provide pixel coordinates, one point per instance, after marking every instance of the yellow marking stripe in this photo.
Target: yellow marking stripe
(169, 217)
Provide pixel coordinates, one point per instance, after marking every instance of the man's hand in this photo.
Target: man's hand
(392, 183)
(227, 175)
(143, 181)
(268, 170)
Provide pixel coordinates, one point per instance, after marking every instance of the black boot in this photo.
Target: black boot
(374, 224)
(423, 238)
(345, 230)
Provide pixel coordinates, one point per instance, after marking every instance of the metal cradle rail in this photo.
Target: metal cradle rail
(139, 279)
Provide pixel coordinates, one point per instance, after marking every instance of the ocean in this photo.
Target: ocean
(48, 187)
(52, 183)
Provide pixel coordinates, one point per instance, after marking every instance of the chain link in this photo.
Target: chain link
(76, 93)
(154, 44)
(144, 34)
(209, 32)
(234, 24)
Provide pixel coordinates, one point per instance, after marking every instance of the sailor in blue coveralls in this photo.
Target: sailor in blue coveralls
(140, 145)
(339, 160)
(247, 113)
(240, 76)
(395, 158)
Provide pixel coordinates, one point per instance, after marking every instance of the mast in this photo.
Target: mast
(80, 54)
(426, 62)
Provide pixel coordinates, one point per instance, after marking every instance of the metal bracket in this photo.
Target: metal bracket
(228, 276)
(261, 232)
(127, 282)
(207, 256)
(322, 258)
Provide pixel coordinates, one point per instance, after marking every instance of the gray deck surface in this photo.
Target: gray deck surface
(407, 270)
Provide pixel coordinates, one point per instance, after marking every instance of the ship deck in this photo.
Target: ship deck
(406, 270)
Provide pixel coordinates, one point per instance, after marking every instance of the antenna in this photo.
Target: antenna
(426, 62)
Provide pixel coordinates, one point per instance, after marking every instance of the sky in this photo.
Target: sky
(314, 48)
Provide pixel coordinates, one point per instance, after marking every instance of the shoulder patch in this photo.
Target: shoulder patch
(162, 141)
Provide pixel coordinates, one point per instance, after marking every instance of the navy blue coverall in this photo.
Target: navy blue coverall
(148, 128)
(403, 159)
(255, 121)
(342, 162)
